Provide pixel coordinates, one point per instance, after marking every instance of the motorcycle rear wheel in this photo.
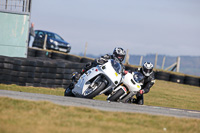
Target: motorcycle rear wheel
(116, 95)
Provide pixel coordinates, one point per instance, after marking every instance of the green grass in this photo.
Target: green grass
(169, 94)
(165, 94)
(41, 90)
(20, 116)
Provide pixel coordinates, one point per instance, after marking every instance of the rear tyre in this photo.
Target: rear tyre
(116, 96)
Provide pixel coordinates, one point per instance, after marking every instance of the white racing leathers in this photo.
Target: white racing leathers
(130, 86)
(98, 80)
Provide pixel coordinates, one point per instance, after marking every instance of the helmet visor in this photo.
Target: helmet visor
(148, 71)
(120, 57)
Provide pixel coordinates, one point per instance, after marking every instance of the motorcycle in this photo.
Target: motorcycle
(130, 86)
(97, 80)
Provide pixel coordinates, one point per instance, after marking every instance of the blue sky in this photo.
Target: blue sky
(169, 27)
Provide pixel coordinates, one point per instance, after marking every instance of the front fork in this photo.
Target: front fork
(93, 84)
(118, 88)
(128, 97)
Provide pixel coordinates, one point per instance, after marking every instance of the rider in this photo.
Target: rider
(149, 80)
(118, 55)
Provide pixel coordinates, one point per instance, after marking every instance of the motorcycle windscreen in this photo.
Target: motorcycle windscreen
(117, 66)
(138, 77)
(113, 71)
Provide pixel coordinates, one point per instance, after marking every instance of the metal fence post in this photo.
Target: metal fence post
(178, 64)
(141, 58)
(163, 63)
(156, 58)
(127, 58)
(86, 44)
(45, 42)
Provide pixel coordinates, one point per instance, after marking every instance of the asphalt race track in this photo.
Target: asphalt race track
(102, 105)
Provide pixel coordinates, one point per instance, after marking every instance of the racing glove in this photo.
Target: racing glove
(125, 72)
(100, 61)
(141, 91)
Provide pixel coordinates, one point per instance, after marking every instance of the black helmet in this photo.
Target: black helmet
(147, 68)
(119, 53)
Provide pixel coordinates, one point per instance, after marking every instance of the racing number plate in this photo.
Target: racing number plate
(63, 50)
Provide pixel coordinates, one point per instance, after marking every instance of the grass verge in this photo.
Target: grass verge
(22, 116)
(163, 93)
(41, 90)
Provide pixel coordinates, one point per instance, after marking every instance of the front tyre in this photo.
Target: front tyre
(100, 87)
(116, 95)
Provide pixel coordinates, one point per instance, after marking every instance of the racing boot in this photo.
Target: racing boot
(75, 77)
(68, 90)
(140, 99)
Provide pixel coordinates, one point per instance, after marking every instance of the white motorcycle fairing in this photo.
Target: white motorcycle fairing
(130, 85)
(85, 82)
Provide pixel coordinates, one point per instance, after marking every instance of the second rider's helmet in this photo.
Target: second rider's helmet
(147, 68)
(119, 53)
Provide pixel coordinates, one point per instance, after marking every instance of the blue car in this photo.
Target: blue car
(54, 41)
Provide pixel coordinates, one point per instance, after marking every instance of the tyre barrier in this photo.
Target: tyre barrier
(44, 54)
(31, 52)
(176, 78)
(162, 76)
(38, 72)
(73, 58)
(55, 55)
(52, 69)
(130, 68)
(192, 81)
(86, 60)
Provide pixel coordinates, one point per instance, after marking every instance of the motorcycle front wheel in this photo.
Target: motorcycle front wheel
(99, 88)
(116, 95)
